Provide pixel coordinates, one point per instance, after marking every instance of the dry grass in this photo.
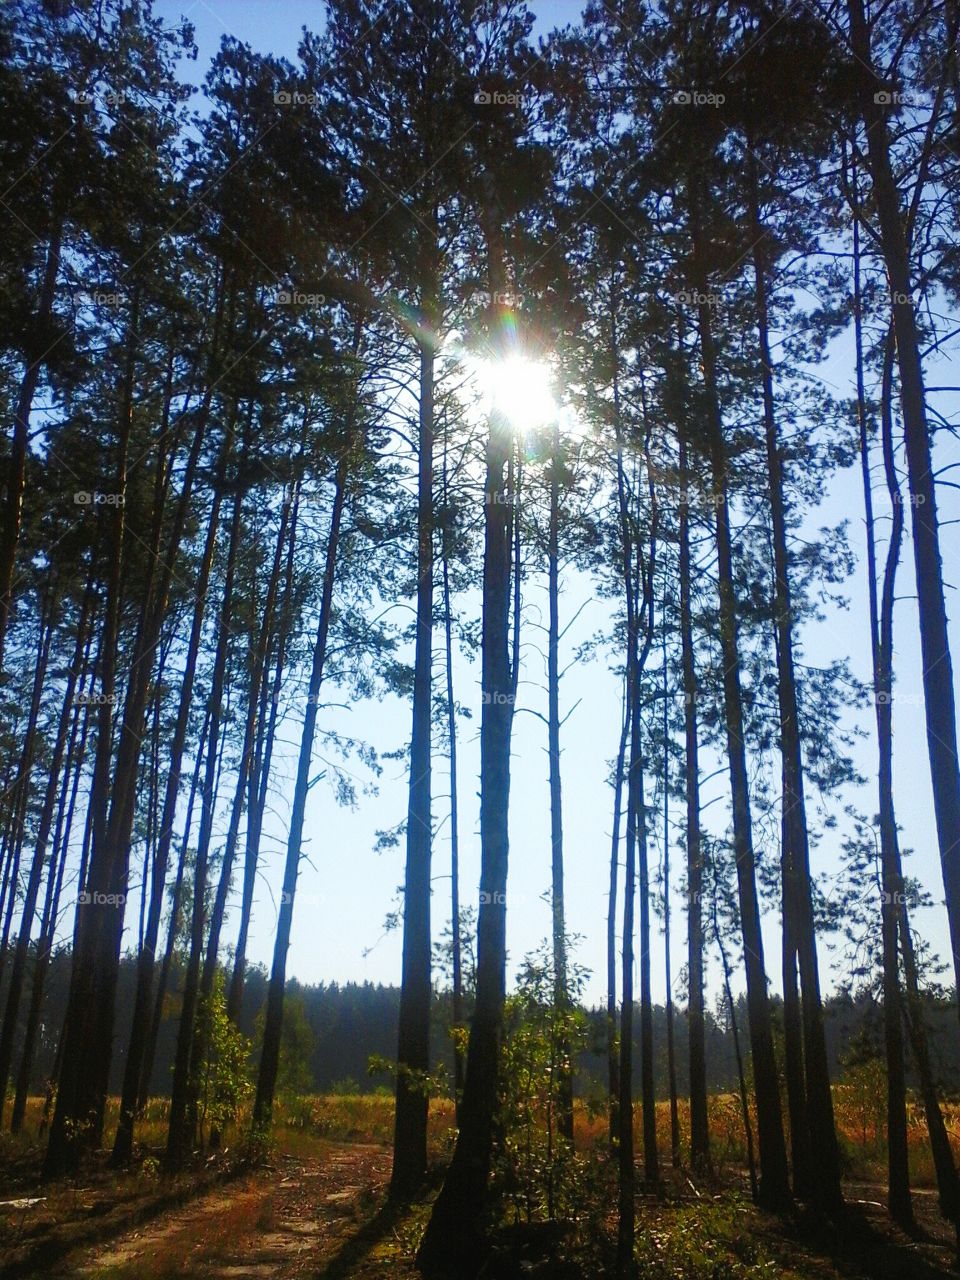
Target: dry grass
(178, 1252)
(209, 1230)
(301, 1122)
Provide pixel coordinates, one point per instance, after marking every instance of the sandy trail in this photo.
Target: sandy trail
(284, 1221)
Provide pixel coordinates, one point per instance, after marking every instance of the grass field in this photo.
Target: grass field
(315, 1205)
(368, 1117)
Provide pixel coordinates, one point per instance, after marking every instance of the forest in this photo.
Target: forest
(544, 418)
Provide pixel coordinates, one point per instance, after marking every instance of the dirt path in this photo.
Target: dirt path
(285, 1221)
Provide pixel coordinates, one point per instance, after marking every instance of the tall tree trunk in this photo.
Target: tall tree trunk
(35, 878)
(455, 939)
(454, 1233)
(939, 697)
(823, 1148)
(948, 1183)
(17, 827)
(881, 647)
(176, 897)
(774, 1187)
(17, 466)
(273, 1018)
(900, 1205)
(81, 879)
(667, 959)
(58, 861)
(561, 995)
(78, 1116)
(793, 1026)
(149, 631)
(201, 1040)
(894, 898)
(699, 1127)
(613, 1040)
(741, 1074)
(180, 1134)
(146, 960)
(413, 1031)
(644, 603)
(260, 773)
(636, 818)
(651, 1160)
(613, 1044)
(626, 1173)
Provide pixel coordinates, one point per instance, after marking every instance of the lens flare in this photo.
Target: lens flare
(519, 388)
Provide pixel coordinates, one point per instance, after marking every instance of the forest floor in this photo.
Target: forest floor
(318, 1209)
(295, 1216)
(325, 1217)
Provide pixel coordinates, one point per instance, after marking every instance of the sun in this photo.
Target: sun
(519, 388)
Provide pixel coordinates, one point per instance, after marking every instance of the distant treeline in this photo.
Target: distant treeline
(353, 1022)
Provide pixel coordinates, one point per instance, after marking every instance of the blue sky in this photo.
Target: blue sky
(347, 889)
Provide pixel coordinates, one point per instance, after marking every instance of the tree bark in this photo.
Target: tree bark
(35, 878)
(17, 826)
(413, 1032)
(561, 996)
(774, 1187)
(899, 1200)
(667, 959)
(613, 1040)
(58, 861)
(180, 1134)
(150, 1047)
(699, 1127)
(17, 467)
(81, 1097)
(823, 1151)
(201, 1039)
(146, 960)
(738, 1053)
(939, 697)
(260, 775)
(456, 946)
(948, 1183)
(454, 1235)
(273, 1018)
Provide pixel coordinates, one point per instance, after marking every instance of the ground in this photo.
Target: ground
(296, 1216)
(317, 1208)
